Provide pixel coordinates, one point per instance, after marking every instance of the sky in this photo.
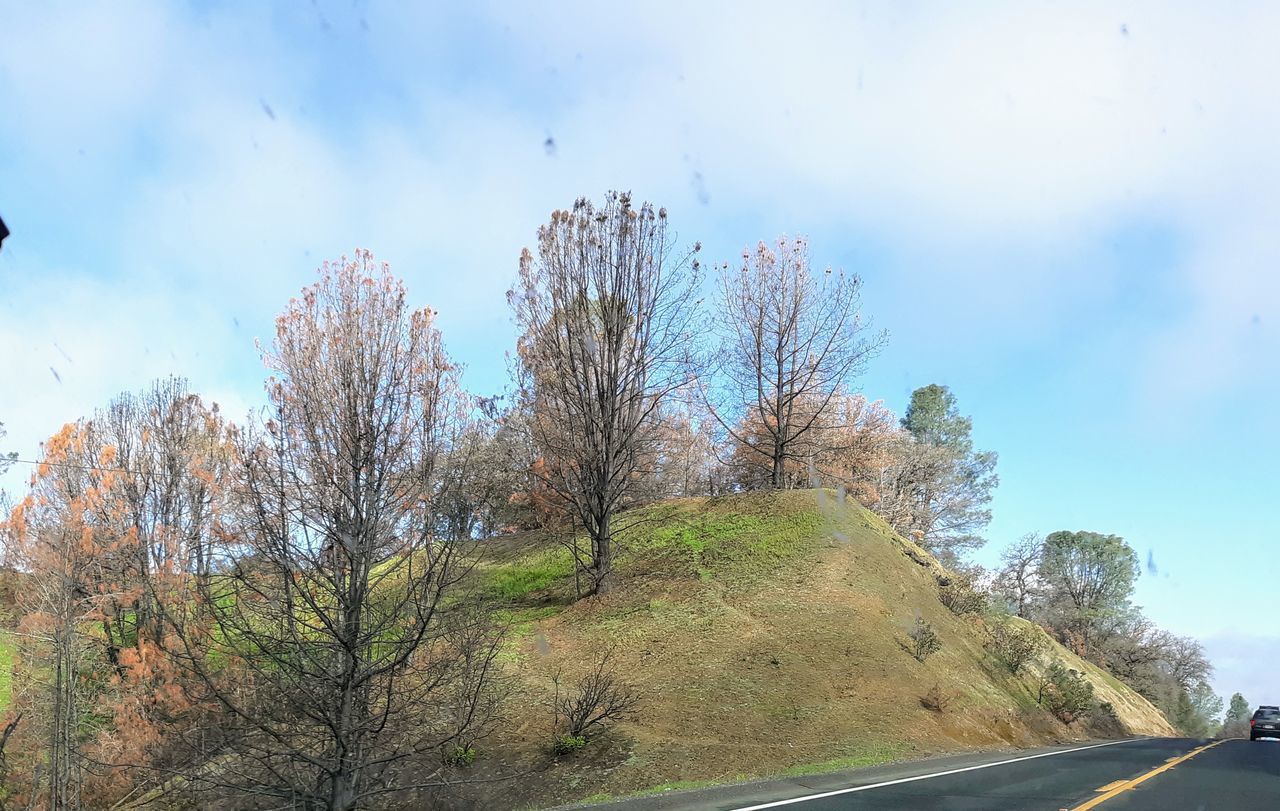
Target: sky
(1063, 211)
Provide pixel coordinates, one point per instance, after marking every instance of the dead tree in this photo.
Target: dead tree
(328, 642)
(605, 311)
(791, 341)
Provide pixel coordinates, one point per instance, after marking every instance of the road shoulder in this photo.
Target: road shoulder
(763, 792)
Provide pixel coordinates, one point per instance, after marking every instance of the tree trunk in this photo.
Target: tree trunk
(602, 558)
(342, 796)
(777, 478)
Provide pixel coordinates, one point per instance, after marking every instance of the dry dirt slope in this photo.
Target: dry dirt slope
(767, 634)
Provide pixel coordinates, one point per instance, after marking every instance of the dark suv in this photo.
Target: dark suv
(1265, 723)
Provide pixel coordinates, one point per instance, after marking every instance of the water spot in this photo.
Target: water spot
(549, 146)
(62, 352)
(1151, 563)
(1256, 320)
(1124, 29)
(541, 645)
(266, 108)
(364, 24)
(56, 376)
(235, 321)
(700, 188)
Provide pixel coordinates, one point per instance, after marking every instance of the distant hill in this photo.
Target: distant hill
(767, 634)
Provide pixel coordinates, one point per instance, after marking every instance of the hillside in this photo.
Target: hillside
(766, 633)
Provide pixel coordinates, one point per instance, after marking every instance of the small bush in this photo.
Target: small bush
(595, 701)
(460, 756)
(566, 744)
(924, 640)
(1103, 714)
(936, 699)
(961, 596)
(1064, 692)
(1015, 644)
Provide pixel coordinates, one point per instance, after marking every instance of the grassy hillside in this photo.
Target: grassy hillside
(767, 633)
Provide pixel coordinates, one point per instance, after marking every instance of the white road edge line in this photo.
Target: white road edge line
(837, 792)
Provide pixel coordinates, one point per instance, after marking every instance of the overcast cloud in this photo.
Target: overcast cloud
(1066, 211)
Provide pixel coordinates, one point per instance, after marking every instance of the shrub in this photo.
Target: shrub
(936, 699)
(961, 596)
(566, 744)
(594, 702)
(1104, 715)
(924, 640)
(1015, 644)
(1065, 692)
(460, 756)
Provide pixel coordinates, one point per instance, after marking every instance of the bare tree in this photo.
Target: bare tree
(791, 341)
(326, 640)
(688, 463)
(606, 320)
(1018, 579)
(169, 457)
(477, 479)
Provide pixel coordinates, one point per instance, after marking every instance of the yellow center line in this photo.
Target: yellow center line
(1113, 789)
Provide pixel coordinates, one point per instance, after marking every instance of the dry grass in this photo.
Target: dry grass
(764, 633)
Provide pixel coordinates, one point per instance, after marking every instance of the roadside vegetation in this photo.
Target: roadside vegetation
(657, 559)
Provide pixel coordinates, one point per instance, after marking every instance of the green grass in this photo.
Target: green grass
(520, 622)
(720, 540)
(869, 756)
(866, 756)
(530, 573)
(520, 625)
(6, 670)
(733, 538)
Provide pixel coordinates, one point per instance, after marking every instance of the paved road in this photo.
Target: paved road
(1164, 774)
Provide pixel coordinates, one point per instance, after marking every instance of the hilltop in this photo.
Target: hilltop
(767, 634)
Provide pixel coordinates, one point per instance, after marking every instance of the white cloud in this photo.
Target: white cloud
(984, 150)
(72, 343)
(1245, 663)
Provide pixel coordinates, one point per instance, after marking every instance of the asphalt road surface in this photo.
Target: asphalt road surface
(1164, 774)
